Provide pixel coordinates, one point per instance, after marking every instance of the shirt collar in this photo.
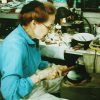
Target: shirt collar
(25, 35)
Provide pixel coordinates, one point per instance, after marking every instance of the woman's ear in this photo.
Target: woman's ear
(33, 22)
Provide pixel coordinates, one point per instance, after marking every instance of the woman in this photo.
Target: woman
(20, 57)
(62, 17)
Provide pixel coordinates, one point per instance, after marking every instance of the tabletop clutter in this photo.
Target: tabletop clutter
(76, 41)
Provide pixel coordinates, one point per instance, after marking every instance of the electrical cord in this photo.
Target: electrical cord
(94, 64)
(82, 17)
(90, 28)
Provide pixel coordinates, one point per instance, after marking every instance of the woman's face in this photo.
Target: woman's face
(41, 30)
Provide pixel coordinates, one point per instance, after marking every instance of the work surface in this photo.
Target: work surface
(85, 91)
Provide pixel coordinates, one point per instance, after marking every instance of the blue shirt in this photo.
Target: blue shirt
(59, 1)
(20, 58)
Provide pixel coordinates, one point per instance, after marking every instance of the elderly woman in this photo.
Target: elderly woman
(20, 58)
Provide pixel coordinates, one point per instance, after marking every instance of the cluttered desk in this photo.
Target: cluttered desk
(76, 88)
(81, 47)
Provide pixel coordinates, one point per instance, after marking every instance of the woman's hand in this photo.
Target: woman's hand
(54, 74)
(64, 70)
(41, 75)
(50, 73)
(57, 71)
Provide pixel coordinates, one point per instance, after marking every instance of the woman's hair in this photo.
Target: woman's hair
(37, 11)
(49, 8)
(50, 1)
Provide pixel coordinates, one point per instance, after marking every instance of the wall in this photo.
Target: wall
(93, 17)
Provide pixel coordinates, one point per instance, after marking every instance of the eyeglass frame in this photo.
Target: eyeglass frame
(48, 27)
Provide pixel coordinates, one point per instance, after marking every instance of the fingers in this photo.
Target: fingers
(62, 68)
(53, 72)
(44, 73)
(58, 73)
(51, 75)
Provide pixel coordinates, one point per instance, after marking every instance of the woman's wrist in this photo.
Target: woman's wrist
(35, 78)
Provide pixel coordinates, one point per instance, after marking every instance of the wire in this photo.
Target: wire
(81, 16)
(94, 64)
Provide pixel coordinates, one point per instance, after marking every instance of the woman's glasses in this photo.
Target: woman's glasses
(49, 27)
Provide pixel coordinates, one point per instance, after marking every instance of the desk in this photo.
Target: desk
(46, 50)
(86, 91)
(53, 51)
(81, 52)
(90, 57)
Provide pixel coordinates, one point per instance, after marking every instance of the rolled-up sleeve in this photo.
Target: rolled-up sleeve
(43, 64)
(14, 88)
(13, 85)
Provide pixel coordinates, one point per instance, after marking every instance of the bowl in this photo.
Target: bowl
(83, 39)
(74, 77)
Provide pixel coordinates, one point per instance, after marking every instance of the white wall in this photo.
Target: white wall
(93, 18)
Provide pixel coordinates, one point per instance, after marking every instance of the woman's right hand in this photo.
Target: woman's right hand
(41, 75)
(48, 72)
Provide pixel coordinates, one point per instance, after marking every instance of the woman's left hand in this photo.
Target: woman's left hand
(62, 68)
(58, 71)
(54, 74)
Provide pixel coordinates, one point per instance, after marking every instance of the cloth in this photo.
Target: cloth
(53, 51)
(92, 61)
(53, 86)
(42, 90)
(20, 58)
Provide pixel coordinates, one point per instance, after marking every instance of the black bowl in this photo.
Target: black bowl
(85, 44)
